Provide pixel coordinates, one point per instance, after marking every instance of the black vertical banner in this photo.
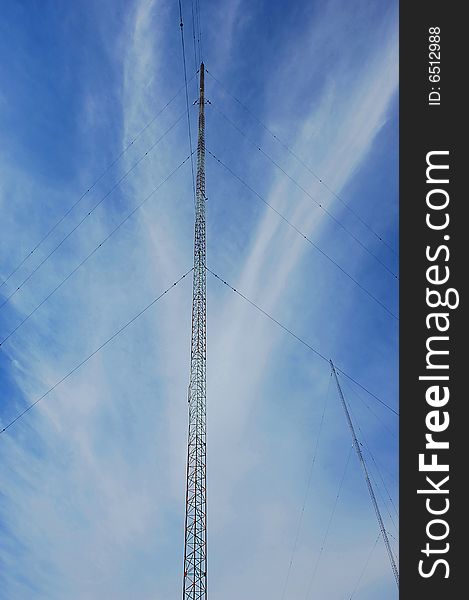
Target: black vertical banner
(433, 260)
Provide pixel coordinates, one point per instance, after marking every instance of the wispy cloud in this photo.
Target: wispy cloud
(92, 503)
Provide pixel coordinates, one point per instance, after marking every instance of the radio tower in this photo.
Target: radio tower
(361, 458)
(195, 544)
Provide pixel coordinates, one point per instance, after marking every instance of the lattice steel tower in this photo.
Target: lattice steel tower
(361, 458)
(195, 545)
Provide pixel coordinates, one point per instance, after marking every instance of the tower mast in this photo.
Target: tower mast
(361, 459)
(195, 544)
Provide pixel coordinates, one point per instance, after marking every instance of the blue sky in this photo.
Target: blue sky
(92, 499)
